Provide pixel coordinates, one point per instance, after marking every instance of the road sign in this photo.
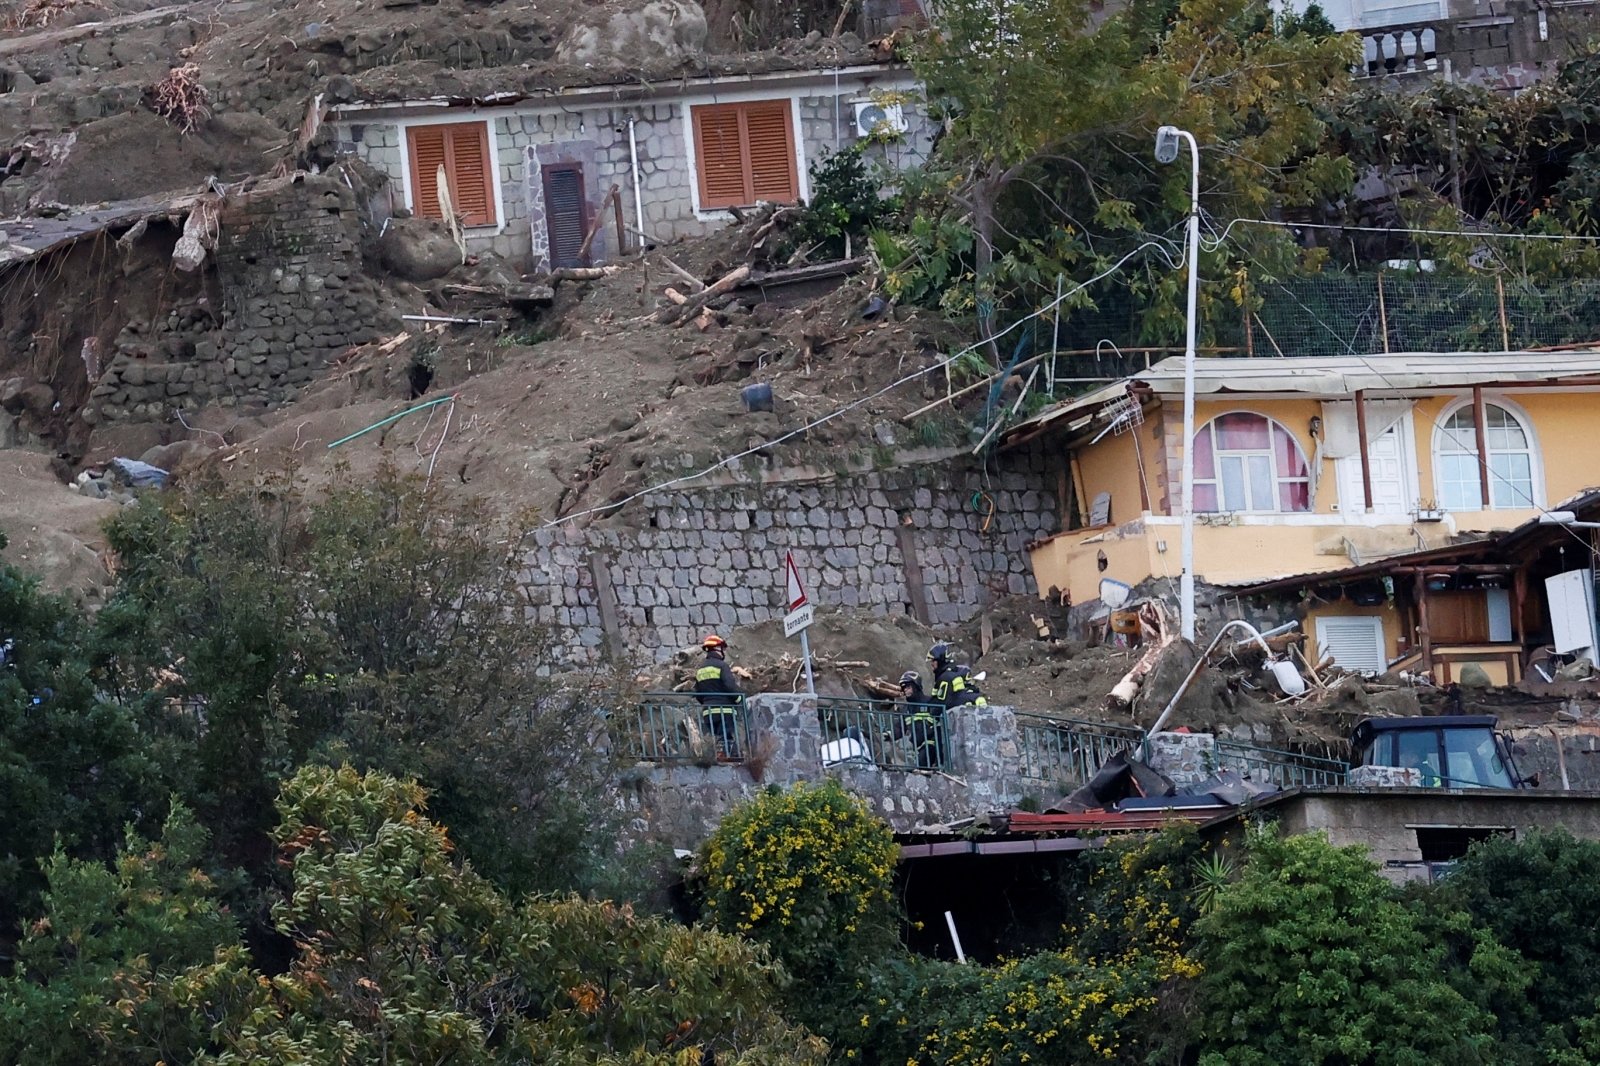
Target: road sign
(797, 592)
(799, 616)
(798, 619)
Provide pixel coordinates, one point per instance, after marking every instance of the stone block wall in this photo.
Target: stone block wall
(288, 266)
(902, 541)
(682, 804)
(525, 137)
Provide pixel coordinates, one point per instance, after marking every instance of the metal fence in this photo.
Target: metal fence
(1286, 769)
(879, 733)
(1067, 752)
(672, 727)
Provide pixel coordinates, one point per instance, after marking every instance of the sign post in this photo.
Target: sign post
(799, 617)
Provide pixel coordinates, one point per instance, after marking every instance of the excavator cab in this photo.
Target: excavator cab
(1451, 751)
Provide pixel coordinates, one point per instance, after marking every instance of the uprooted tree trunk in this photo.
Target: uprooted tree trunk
(1157, 631)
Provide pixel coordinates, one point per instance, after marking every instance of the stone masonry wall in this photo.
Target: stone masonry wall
(526, 138)
(896, 541)
(681, 805)
(288, 263)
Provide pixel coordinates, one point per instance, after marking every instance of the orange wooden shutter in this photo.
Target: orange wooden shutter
(720, 154)
(463, 150)
(471, 180)
(427, 154)
(771, 149)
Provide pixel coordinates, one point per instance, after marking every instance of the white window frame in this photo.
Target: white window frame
(457, 118)
(1271, 455)
(686, 107)
(1349, 621)
(1535, 461)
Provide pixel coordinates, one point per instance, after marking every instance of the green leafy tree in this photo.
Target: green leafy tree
(84, 972)
(400, 953)
(1051, 111)
(74, 767)
(377, 624)
(1309, 958)
(1537, 896)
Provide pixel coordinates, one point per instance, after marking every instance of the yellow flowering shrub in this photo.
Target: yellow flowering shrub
(804, 870)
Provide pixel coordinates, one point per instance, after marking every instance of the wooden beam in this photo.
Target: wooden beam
(1423, 639)
(1480, 427)
(1361, 439)
(1519, 600)
(1457, 568)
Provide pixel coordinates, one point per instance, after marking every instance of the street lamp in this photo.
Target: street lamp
(1167, 138)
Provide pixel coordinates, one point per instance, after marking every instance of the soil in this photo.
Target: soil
(51, 533)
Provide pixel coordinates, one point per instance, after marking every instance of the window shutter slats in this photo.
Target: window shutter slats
(745, 153)
(463, 150)
(564, 214)
(469, 169)
(721, 157)
(772, 169)
(427, 156)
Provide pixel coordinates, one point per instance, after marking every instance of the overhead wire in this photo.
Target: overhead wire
(1154, 243)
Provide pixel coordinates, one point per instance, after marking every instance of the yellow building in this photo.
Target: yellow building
(1313, 467)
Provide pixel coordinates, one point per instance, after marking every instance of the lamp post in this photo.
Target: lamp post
(1167, 138)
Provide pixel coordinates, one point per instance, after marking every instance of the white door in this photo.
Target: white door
(1572, 620)
(1390, 459)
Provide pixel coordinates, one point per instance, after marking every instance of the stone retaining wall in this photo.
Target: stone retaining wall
(682, 804)
(288, 266)
(904, 541)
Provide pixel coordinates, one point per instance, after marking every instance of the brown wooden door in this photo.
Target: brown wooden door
(566, 213)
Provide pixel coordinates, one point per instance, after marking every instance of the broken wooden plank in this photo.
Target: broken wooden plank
(723, 285)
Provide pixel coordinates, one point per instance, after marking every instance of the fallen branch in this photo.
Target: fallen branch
(584, 273)
(675, 296)
(692, 307)
(694, 283)
(598, 223)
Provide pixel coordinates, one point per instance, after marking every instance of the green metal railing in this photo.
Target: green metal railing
(889, 739)
(1286, 769)
(673, 727)
(1067, 752)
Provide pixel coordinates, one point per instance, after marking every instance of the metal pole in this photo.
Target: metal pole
(950, 920)
(805, 653)
(1186, 581)
(638, 196)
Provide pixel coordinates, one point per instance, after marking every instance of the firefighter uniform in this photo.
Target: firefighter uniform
(720, 699)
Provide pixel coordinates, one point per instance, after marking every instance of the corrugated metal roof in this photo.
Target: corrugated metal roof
(1327, 376)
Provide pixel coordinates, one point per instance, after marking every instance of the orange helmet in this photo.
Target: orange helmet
(713, 641)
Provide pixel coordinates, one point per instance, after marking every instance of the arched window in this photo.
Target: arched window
(1511, 460)
(1247, 462)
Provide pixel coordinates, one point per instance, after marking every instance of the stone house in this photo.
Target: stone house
(530, 174)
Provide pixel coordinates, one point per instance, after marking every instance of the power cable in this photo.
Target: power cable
(913, 376)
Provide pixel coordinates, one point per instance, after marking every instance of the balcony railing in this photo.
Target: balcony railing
(671, 727)
(880, 734)
(1286, 769)
(1405, 49)
(1066, 752)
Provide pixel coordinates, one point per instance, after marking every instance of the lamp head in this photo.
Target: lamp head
(1167, 144)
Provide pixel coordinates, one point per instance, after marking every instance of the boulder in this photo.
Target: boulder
(174, 455)
(662, 32)
(21, 394)
(418, 249)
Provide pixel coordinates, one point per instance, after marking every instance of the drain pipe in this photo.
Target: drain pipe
(638, 196)
(1286, 682)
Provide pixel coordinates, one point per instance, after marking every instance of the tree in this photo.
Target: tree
(81, 989)
(1051, 110)
(74, 767)
(375, 624)
(1308, 958)
(401, 954)
(1538, 897)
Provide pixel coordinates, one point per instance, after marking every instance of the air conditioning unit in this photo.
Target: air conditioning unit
(876, 120)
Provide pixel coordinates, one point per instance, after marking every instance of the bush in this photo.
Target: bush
(1310, 959)
(805, 871)
(846, 201)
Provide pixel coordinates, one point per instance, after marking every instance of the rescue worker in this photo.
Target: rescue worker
(924, 721)
(719, 695)
(952, 684)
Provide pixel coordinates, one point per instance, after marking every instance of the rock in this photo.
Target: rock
(21, 394)
(94, 487)
(417, 249)
(1474, 676)
(172, 456)
(663, 31)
